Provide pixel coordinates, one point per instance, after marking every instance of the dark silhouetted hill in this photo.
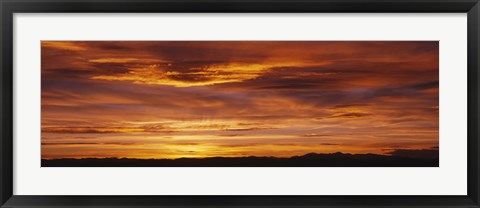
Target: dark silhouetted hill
(308, 160)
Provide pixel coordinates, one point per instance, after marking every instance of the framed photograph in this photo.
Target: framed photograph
(266, 103)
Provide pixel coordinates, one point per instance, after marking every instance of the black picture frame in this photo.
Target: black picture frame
(9, 7)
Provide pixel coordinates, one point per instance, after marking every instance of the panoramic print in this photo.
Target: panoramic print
(240, 103)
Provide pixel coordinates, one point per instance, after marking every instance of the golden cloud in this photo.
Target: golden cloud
(210, 75)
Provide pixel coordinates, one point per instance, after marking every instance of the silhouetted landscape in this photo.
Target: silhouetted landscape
(308, 160)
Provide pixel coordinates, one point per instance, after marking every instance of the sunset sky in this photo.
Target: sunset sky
(172, 99)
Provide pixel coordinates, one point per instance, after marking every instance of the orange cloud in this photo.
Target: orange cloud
(64, 45)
